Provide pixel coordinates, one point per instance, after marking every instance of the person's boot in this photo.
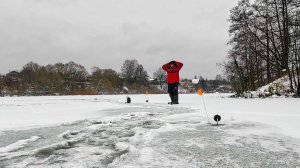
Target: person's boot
(172, 99)
(175, 98)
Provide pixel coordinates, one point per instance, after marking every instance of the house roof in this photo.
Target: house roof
(195, 81)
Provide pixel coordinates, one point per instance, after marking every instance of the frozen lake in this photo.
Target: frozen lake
(103, 131)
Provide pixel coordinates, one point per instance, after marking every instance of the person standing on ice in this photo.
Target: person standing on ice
(172, 68)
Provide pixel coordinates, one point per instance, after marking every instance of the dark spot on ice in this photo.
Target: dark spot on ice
(96, 122)
(74, 133)
(217, 125)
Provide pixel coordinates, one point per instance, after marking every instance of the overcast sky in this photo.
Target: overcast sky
(105, 33)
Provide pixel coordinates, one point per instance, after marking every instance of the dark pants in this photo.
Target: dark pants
(173, 92)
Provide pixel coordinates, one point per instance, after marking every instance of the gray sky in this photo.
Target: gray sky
(104, 33)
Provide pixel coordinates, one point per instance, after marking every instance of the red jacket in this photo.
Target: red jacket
(173, 72)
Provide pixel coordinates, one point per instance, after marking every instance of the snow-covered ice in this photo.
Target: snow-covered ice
(30, 112)
(103, 131)
(18, 145)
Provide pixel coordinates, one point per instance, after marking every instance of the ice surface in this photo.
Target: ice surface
(92, 131)
(18, 145)
(32, 112)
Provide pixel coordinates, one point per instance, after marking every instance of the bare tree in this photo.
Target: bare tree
(263, 40)
(161, 76)
(128, 70)
(133, 72)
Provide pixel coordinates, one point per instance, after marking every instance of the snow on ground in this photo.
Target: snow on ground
(279, 87)
(30, 112)
(103, 131)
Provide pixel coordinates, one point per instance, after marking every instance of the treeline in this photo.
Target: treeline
(219, 84)
(265, 44)
(72, 78)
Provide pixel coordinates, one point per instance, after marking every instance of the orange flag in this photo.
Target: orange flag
(200, 92)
